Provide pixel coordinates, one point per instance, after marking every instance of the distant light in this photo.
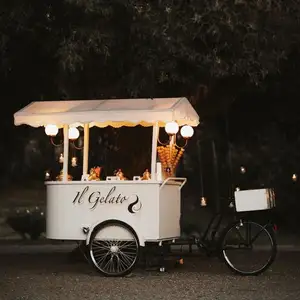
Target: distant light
(203, 201)
(294, 177)
(243, 170)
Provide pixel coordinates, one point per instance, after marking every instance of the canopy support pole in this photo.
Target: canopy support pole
(86, 149)
(66, 153)
(155, 133)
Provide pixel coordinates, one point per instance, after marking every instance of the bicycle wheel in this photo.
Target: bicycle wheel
(114, 248)
(248, 248)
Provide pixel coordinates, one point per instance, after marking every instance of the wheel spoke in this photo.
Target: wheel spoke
(123, 266)
(126, 258)
(101, 248)
(102, 259)
(107, 265)
(127, 244)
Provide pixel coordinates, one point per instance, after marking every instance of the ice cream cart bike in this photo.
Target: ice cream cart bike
(115, 217)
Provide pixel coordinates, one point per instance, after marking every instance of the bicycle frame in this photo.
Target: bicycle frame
(207, 241)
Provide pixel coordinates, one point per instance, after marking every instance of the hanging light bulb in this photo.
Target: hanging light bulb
(187, 131)
(171, 128)
(51, 130)
(243, 170)
(61, 158)
(74, 161)
(203, 201)
(47, 175)
(294, 177)
(73, 133)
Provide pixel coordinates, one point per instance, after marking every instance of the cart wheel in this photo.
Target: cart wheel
(248, 248)
(114, 248)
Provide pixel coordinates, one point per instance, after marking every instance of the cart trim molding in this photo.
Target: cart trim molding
(107, 182)
(111, 112)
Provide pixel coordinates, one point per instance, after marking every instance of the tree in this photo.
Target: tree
(156, 48)
(172, 46)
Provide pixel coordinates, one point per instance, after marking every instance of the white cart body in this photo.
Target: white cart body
(74, 208)
(150, 208)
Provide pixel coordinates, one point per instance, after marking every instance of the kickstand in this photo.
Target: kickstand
(83, 249)
(162, 258)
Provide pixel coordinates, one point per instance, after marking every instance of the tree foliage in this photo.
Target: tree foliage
(144, 48)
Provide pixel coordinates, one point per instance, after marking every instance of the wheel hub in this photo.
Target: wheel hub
(114, 249)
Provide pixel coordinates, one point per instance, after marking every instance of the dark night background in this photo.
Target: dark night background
(237, 62)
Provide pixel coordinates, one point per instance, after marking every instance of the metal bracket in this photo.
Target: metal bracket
(85, 230)
(181, 179)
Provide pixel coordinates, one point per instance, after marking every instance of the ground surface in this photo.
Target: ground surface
(43, 272)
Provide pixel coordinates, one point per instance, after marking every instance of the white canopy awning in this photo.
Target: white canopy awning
(114, 112)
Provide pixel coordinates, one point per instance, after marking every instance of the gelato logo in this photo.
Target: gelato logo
(96, 198)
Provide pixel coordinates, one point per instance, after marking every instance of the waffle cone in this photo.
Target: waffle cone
(169, 156)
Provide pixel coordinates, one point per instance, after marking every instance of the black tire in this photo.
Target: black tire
(114, 257)
(237, 263)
